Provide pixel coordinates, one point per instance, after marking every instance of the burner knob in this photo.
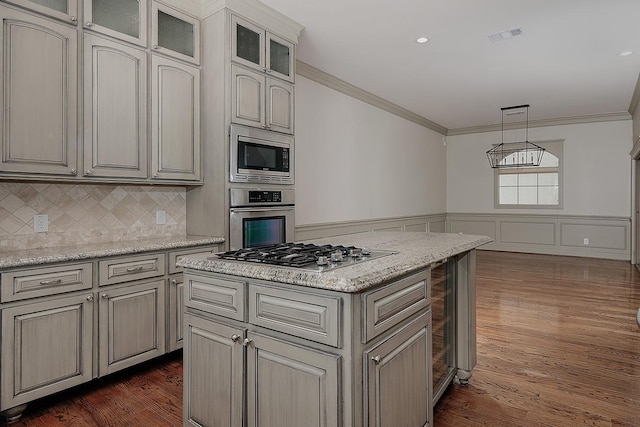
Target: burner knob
(336, 256)
(355, 253)
(322, 260)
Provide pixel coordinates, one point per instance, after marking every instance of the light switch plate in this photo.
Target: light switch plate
(40, 223)
(161, 217)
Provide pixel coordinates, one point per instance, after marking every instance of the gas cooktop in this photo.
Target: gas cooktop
(305, 255)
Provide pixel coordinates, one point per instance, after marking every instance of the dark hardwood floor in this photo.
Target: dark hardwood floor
(558, 345)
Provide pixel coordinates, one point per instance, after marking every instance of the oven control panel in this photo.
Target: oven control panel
(265, 196)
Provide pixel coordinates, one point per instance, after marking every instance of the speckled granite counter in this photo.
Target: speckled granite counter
(24, 258)
(415, 251)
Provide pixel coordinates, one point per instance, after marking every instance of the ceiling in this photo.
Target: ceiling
(566, 62)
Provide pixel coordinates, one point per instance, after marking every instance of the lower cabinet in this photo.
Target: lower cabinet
(46, 347)
(131, 325)
(175, 315)
(286, 385)
(398, 377)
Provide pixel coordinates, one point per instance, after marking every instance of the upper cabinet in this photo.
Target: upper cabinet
(67, 10)
(38, 109)
(257, 48)
(174, 33)
(123, 19)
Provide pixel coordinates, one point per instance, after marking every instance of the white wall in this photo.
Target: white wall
(355, 161)
(596, 167)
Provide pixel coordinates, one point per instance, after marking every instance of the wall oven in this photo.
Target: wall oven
(261, 156)
(261, 217)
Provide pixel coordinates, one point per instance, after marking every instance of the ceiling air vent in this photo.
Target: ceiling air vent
(503, 35)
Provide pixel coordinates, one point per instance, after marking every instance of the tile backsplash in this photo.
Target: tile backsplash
(82, 213)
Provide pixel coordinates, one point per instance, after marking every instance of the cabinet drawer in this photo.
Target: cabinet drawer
(131, 268)
(37, 282)
(216, 295)
(313, 317)
(175, 256)
(388, 306)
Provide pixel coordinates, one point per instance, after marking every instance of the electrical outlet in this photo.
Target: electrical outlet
(586, 241)
(161, 217)
(40, 223)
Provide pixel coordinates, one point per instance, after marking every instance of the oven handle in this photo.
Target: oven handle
(263, 208)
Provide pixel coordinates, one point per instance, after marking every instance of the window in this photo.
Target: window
(531, 187)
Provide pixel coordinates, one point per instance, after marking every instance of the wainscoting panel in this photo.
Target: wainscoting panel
(437, 226)
(608, 237)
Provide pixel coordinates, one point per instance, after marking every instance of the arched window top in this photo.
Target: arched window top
(549, 160)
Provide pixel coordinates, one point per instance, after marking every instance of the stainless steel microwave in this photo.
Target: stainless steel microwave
(261, 156)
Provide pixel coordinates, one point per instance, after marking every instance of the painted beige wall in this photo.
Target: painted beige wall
(357, 162)
(597, 170)
(87, 213)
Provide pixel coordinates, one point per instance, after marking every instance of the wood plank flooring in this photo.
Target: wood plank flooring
(558, 345)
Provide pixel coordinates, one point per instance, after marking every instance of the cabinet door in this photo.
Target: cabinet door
(115, 109)
(175, 318)
(290, 386)
(397, 383)
(39, 95)
(123, 19)
(67, 10)
(247, 44)
(175, 122)
(131, 327)
(213, 373)
(280, 106)
(46, 347)
(280, 57)
(175, 33)
(247, 97)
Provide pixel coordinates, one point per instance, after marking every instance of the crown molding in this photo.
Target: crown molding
(192, 7)
(258, 12)
(635, 99)
(558, 121)
(312, 73)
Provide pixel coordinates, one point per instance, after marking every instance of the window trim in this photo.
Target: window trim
(555, 147)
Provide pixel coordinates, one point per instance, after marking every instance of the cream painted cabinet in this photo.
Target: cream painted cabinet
(260, 101)
(257, 48)
(398, 378)
(123, 19)
(175, 122)
(175, 33)
(175, 316)
(39, 95)
(66, 10)
(131, 325)
(46, 347)
(115, 109)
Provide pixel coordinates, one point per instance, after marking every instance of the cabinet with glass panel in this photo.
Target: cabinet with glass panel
(67, 10)
(122, 19)
(257, 48)
(175, 33)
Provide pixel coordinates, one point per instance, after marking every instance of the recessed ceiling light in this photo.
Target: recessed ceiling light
(422, 40)
(626, 53)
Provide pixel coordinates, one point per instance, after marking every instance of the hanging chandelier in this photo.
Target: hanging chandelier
(515, 154)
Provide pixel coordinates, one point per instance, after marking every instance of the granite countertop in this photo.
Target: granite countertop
(415, 251)
(31, 257)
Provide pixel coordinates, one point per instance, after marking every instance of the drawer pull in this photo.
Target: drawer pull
(247, 342)
(376, 359)
(51, 282)
(132, 269)
(90, 298)
(105, 296)
(235, 337)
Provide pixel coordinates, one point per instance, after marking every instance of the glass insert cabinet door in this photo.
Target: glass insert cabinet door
(257, 48)
(123, 19)
(175, 33)
(66, 10)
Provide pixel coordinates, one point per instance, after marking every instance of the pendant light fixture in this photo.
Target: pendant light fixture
(515, 154)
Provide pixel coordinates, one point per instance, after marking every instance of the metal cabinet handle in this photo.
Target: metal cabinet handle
(132, 269)
(73, 19)
(105, 296)
(73, 172)
(246, 342)
(89, 298)
(155, 46)
(376, 359)
(235, 337)
(88, 172)
(88, 24)
(174, 282)
(51, 282)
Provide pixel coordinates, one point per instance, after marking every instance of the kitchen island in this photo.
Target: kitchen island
(349, 346)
